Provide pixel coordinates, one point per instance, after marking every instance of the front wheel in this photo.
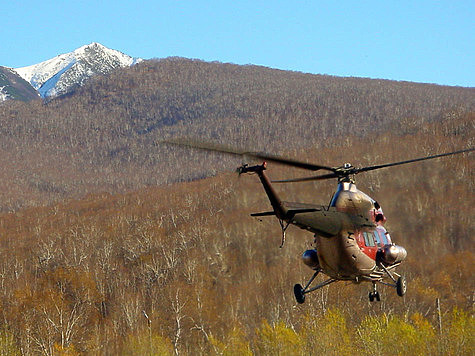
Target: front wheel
(401, 286)
(298, 292)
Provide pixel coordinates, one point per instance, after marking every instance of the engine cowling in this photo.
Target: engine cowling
(310, 258)
(391, 254)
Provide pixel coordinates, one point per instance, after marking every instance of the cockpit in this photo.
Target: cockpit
(379, 237)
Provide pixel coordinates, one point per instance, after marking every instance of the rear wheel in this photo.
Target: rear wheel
(401, 286)
(376, 295)
(299, 296)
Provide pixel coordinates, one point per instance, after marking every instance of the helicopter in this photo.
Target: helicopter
(351, 242)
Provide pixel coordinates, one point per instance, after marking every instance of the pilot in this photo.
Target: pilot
(380, 219)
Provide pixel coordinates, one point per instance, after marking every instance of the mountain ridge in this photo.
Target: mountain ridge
(64, 73)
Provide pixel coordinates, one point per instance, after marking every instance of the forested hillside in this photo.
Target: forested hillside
(105, 136)
(183, 269)
(109, 244)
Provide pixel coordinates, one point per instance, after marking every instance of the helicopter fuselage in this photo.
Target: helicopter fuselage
(351, 242)
(342, 252)
(347, 237)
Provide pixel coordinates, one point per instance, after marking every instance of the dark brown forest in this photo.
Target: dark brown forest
(104, 251)
(104, 137)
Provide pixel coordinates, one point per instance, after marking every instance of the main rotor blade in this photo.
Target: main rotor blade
(371, 168)
(346, 172)
(307, 179)
(236, 152)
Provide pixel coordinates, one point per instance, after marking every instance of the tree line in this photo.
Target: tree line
(184, 269)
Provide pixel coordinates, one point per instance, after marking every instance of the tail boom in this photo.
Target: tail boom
(279, 209)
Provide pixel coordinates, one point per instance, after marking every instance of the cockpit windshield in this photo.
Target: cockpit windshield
(368, 239)
(383, 234)
(376, 237)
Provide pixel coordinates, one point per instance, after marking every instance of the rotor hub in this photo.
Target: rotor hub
(346, 173)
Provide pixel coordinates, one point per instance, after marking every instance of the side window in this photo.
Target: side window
(376, 236)
(368, 239)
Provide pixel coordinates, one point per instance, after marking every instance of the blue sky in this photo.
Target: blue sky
(420, 41)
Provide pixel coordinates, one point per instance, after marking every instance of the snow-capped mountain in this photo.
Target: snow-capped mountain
(64, 73)
(14, 87)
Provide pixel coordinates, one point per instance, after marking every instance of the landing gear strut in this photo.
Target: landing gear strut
(399, 283)
(300, 292)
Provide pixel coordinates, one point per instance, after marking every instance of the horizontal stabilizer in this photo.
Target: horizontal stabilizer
(291, 212)
(300, 211)
(302, 206)
(266, 213)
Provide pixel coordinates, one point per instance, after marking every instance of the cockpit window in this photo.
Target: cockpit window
(368, 239)
(384, 238)
(376, 236)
